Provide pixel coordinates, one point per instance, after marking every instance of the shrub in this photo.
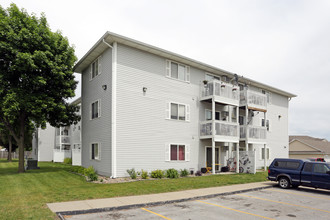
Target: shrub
(157, 174)
(67, 160)
(144, 174)
(172, 173)
(132, 173)
(91, 174)
(198, 173)
(184, 173)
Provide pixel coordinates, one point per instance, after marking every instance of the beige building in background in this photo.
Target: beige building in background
(302, 147)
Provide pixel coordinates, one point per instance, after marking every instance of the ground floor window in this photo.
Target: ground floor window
(95, 151)
(177, 152)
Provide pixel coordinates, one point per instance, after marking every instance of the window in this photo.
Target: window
(269, 96)
(267, 124)
(95, 109)
(321, 168)
(177, 152)
(178, 111)
(95, 69)
(208, 115)
(177, 71)
(292, 165)
(308, 167)
(241, 120)
(95, 151)
(263, 153)
(210, 77)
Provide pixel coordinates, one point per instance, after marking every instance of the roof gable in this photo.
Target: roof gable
(109, 38)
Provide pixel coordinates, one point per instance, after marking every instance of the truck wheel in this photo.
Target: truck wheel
(284, 182)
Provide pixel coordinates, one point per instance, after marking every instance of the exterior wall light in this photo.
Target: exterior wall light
(104, 87)
(144, 89)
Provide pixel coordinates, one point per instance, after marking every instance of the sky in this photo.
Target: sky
(281, 43)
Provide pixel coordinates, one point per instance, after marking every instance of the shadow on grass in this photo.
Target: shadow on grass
(45, 167)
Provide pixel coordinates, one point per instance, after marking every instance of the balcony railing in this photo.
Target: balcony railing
(223, 91)
(253, 99)
(222, 128)
(63, 139)
(254, 132)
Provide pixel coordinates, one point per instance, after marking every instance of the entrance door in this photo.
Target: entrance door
(209, 157)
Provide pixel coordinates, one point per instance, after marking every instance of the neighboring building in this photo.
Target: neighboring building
(302, 147)
(55, 144)
(147, 108)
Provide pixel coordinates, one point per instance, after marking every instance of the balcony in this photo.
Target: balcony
(224, 131)
(62, 140)
(222, 92)
(253, 134)
(253, 100)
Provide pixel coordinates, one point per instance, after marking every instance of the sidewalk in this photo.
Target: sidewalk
(108, 204)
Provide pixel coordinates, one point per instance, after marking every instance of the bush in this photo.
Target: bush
(144, 174)
(157, 174)
(67, 160)
(172, 173)
(132, 173)
(198, 173)
(184, 173)
(91, 174)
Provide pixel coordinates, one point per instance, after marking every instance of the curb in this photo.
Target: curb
(89, 211)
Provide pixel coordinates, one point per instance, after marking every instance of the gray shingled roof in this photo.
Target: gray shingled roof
(318, 143)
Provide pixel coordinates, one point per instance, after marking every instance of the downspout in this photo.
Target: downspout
(113, 109)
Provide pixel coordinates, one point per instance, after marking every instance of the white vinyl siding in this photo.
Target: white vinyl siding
(95, 151)
(95, 109)
(177, 71)
(177, 152)
(177, 111)
(95, 68)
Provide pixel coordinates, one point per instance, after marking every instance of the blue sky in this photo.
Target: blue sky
(281, 43)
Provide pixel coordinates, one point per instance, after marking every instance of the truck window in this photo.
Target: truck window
(308, 167)
(320, 168)
(292, 165)
(281, 164)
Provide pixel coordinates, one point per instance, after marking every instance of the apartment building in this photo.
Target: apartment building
(56, 144)
(147, 108)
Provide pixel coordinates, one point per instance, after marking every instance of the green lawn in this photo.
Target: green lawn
(24, 196)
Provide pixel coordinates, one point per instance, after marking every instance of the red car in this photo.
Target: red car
(316, 159)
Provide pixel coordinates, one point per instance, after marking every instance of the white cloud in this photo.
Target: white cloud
(281, 43)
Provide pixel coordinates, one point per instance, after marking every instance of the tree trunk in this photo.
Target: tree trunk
(10, 147)
(21, 155)
(21, 145)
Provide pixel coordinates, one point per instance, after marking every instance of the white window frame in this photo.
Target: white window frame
(268, 95)
(186, 71)
(98, 158)
(98, 108)
(92, 74)
(267, 128)
(168, 152)
(209, 75)
(169, 113)
(262, 153)
(209, 110)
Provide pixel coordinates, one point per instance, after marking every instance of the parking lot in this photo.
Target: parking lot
(273, 203)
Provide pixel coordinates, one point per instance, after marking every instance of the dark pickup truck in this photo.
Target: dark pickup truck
(295, 172)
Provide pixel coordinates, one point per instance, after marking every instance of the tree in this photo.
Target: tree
(36, 75)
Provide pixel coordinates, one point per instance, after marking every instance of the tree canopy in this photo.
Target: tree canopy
(36, 74)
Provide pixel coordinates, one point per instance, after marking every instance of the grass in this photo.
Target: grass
(24, 196)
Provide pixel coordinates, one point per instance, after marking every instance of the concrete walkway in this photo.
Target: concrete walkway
(108, 204)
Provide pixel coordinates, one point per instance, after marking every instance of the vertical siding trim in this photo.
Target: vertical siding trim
(113, 112)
